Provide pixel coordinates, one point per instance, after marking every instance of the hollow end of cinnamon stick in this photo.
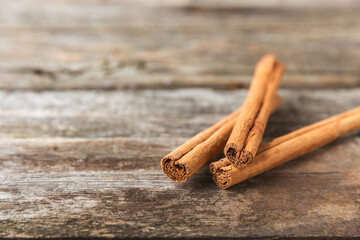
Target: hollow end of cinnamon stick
(231, 152)
(246, 158)
(215, 166)
(222, 178)
(233, 155)
(176, 171)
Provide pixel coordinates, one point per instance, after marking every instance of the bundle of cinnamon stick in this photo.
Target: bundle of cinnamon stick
(240, 133)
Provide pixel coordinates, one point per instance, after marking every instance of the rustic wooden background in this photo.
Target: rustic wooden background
(94, 93)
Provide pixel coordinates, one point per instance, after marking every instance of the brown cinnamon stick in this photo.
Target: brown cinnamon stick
(306, 129)
(185, 160)
(251, 108)
(257, 131)
(200, 137)
(217, 165)
(185, 167)
(287, 148)
(182, 169)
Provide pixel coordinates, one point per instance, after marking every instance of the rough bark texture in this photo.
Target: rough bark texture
(81, 163)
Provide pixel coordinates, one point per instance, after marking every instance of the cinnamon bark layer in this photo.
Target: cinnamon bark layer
(287, 147)
(251, 107)
(187, 159)
(306, 129)
(216, 166)
(270, 104)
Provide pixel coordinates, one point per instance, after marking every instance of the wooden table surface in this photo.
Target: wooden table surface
(94, 93)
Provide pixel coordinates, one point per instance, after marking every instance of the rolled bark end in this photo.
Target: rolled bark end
(222, 178)
(215, 166)
(231, 153)
(246, 157)
(175, 171)
(233, 156)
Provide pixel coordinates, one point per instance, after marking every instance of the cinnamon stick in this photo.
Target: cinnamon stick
(200, 137)
(257, 131)
(217, 165)
(185, 160)
(306, 129)
(183, 168)
(251, 108)
(290, 146)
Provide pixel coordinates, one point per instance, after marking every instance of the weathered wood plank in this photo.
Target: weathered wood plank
(100, 45)
(114, 188)
(153, 113)
(231, 4)
(83, 187)
(86, 163)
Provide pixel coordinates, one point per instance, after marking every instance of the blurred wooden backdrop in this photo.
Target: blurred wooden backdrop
(94, 93)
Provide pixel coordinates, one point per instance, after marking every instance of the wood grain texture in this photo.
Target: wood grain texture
(108, 45)
(154, 113)
(87, 186)
(94, 93)
(102, 188)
